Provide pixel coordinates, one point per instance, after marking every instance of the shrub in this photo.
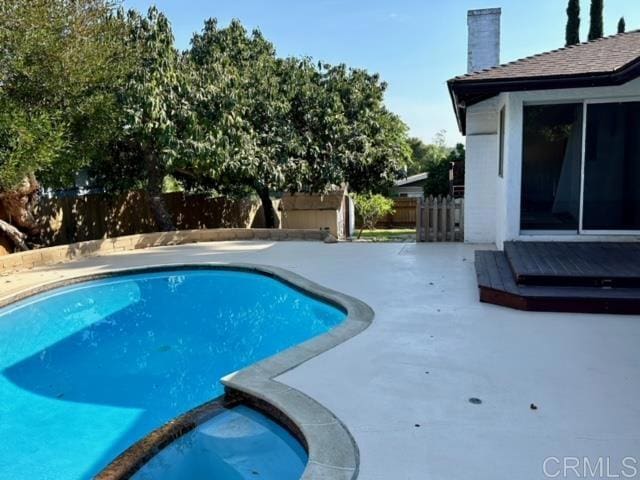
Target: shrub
(371, 209)
(437, 182)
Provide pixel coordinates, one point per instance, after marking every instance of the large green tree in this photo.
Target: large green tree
(572, 34)
(59, 63)
(622, 25)
(288, 124)
(247, 106)
(373, 148)
(152, 100)
(596, 25)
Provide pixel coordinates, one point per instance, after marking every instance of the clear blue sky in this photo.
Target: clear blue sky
(415, 45)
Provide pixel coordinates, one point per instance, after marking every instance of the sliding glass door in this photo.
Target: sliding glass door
(576, 184)
(551, 167)
(611, 191)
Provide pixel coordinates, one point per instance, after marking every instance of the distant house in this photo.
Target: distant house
(552, 140)
(411, 187)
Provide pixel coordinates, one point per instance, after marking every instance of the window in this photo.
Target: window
(501, 146)
(551, 167)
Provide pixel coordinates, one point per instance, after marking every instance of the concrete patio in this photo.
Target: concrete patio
(402, 387)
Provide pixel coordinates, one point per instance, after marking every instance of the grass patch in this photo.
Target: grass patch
(391, 235)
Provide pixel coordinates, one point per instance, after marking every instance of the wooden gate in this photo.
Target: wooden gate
(440, 219)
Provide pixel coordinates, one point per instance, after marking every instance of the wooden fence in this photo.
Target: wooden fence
(440, 219)
(92, 217)
(404, 215)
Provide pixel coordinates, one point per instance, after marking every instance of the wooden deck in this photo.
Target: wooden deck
(562, 277)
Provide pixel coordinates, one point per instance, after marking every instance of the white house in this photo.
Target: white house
(553, 140)
(412, 186)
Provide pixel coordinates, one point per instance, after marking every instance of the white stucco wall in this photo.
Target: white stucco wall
(481, 172)
(492, 204)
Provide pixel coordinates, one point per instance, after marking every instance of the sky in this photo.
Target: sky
(415, 45)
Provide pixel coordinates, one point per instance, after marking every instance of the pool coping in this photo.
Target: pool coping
(333, 452)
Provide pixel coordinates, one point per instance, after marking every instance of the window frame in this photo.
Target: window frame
(501, 138)
(585, 102)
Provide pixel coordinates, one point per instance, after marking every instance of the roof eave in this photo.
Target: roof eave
(465, 93)
(460, 110)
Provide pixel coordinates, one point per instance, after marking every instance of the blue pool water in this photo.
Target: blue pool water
(239, 444)
(88, 370)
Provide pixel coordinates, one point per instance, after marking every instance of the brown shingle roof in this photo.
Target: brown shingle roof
(605, 55)
(607, 61)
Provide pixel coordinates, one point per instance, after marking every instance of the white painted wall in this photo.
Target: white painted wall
(481, 172)
(492, 205)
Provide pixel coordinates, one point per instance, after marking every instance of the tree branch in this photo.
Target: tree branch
(16, 236)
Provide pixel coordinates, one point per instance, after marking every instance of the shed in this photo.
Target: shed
(330, 212)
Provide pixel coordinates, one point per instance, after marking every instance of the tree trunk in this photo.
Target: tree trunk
(155, 178)
(17, 209)
(18, 205)
(16, 236)
(267, 208)
(160, 213)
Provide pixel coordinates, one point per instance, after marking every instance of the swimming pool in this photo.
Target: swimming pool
(237, 444)
(89, 369)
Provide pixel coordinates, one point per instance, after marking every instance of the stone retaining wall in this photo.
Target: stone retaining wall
(63, 253)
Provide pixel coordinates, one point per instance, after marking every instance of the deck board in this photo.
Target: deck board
(575, 263)
(561, 278)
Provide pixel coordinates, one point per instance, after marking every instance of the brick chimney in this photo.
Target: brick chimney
(484, 39)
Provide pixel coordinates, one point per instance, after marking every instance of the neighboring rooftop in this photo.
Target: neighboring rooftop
(606, 61)
(418, 177)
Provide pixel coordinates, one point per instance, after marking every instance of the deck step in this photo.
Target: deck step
(497, 285)
(575, 264)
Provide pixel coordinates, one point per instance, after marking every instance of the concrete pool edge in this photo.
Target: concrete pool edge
(333, 453)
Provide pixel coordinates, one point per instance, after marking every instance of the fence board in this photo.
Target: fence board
(440, 219)
(92, 217)
(404, 215)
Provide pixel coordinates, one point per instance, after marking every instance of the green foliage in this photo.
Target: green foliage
(373, 148)
(84, 85)
(437, 182)
(424, 155)
(28, 141)
(371, 208)
(269, 124)
(596, 28)
(288, 124)
(572, 35)
(622, 25)
(457, 154)
(456, 159)
(153, 103)
(58, 64)
(242, 112)
(150, 97)
(171, 185)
